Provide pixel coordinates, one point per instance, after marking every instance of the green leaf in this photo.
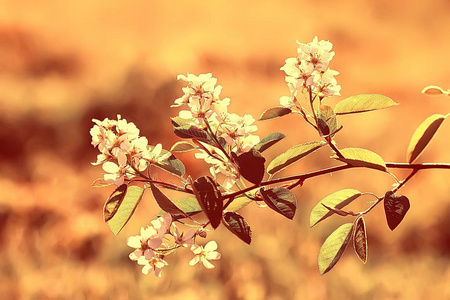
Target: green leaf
(178, 122)
(363, 103)
(209, 198)
(360, 239)
(434, 90)
(281, 200)
(164, 202)
(131, 198)
(362, 158)
(113, 202)
(335, 210)
(190, 132)
(333, 247)
(395, 208)
(337, 200)
(182, 146)
(238, 226)
(188, 205)
(100, 182)
(274, 112)
(251, 166)
(269, 140)
(238, 203)
(172, 164)
(327, 122)
(185, 129)
(422, 136)
(292, 155)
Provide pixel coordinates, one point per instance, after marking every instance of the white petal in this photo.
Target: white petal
(154, 242)
(110, 177)
(167, 217)
(210, 246)
(185, 114)
(189, 234)
(119, 181)
(148, 254)
(134, 256)
(157, 272)
(193, 261)
(157, 150)
(161, 263)
(134, 241)
(110, 167)
(142, 261)
(286, 101)
(214, 255)
(196, 249)
(122, 158)
(147, 269)
(207, 264)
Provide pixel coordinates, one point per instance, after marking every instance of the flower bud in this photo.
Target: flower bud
(201, 232)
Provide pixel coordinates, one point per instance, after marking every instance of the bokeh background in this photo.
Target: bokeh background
(63, 63)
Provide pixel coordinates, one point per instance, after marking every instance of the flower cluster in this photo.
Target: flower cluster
(208, 112)
(309, 71)
(150, 250)
(122, 151)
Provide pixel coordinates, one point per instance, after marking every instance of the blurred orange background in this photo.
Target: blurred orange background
(63, 63)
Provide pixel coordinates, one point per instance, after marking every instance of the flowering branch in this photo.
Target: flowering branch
(229, 144)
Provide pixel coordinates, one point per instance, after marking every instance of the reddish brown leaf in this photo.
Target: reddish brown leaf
(360, 239)
(251, 166)
(395, 208)
(209, 198)
(238, 226)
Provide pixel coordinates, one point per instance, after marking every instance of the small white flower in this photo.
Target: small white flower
(183, 239)
(204, 255)
(136, 151)
(115, 173)
(154, 155)
(199, 87)
(317, 53)
(151, 262)
(102, 157)
(291, 67)
(235, 127)
(246, 143)
(325, 85)
(148, 239)
(106, 123)
(125, 128)
(162, 224)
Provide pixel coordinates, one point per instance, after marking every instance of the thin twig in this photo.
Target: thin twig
(302, 177)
